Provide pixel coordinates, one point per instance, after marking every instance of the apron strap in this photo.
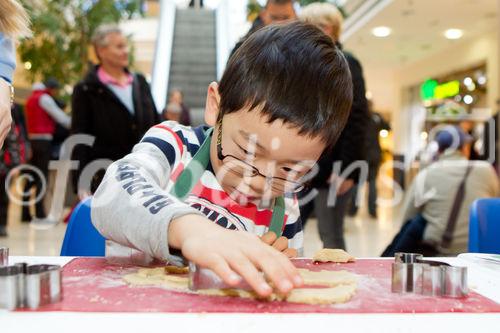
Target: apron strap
(278, 218)
(195, 169)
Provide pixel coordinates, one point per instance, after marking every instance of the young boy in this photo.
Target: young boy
(283, 99)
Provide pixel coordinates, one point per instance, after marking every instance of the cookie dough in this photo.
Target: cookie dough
(333, 255)
(157, 277)
(327, 278)
(339, 294)
(340, 286)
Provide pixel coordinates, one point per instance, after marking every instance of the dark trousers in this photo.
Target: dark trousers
(372, 192)
(40, 160)
(4, 201)
(330, 218)
(372, 198)
(409, 238)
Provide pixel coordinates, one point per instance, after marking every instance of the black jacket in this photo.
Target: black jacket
(98, 112)
(350, 145)
(372, 144)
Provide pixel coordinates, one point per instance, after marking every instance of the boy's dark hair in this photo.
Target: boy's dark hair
(296, 74)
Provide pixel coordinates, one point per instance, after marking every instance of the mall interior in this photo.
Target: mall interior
(418, 156)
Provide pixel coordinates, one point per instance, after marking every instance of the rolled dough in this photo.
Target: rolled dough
(339, 294)
(341, 286)
(157, 277)
(333, 255)
(327, 278)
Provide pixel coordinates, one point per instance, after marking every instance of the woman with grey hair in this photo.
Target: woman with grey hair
(13, 24)
(112, 104)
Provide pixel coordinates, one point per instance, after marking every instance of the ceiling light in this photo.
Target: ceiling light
(468, 81)
(384, 133)
(481, 80)
(453, 33)
(468, 99)
(27, 65)
(424, 135)
(381, 32)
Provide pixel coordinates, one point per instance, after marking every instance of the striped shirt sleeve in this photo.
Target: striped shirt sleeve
(132, 205)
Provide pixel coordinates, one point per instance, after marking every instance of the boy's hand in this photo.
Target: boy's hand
(231, 254)
(280, 244)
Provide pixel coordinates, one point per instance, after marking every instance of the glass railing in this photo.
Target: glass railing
(163, 53)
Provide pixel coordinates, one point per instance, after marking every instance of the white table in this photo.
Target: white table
(480, 280)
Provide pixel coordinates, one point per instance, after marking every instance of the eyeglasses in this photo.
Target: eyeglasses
(241, 168)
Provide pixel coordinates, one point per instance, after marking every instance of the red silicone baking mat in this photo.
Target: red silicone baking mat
(96, 285)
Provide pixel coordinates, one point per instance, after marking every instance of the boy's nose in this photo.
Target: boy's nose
(257, 184)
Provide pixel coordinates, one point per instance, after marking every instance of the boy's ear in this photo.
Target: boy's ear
(212, 105)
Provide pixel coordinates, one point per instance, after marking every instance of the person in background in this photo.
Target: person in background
(429, 211)
(111, 104)
(14, 23)
(177, 97)
(275, 11)
(61, 133)
(42, 113)
(349, 147)
(172, 112)
(14, 153)
(374, 157)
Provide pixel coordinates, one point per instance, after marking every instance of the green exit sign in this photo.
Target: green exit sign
(430, 89)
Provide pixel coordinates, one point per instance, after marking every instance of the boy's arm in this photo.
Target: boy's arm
(132, 206)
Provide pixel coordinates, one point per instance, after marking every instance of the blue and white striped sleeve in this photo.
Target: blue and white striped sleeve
(132, 205)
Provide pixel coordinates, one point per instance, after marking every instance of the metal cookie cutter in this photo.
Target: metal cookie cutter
(22, 285)
(412, 274)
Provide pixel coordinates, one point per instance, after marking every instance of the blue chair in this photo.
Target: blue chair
(82, 238)
(484, 226)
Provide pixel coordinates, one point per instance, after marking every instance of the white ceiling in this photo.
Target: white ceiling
(417, 29)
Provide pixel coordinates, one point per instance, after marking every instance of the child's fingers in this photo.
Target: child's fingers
(274, 268)
(252, 276)
(221, 268)
(290, 253)
(269, 237)
(281, 244)
(290, 270)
